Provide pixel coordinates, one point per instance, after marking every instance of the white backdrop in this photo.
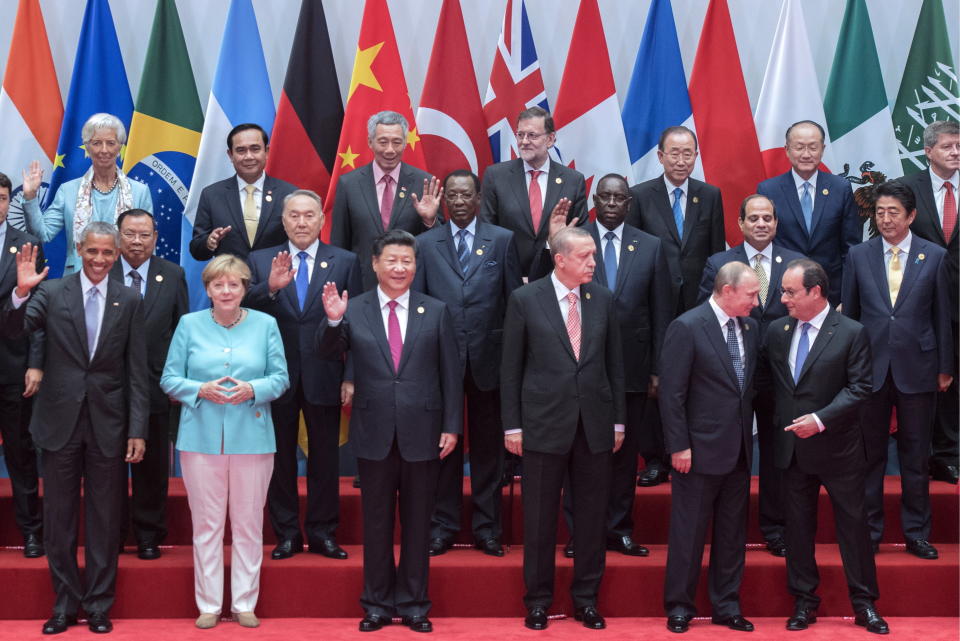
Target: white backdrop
(414, 22)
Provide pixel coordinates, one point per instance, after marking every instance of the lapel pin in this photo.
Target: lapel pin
(696, 199)
(559, 180)
(402, 194)
(420, 310)
(159, 278)
(323, 264)
(745, 327)
(115, 304)
(778, 259)
(480, 252)
(921, 256)
(13, 250)
(786, 327)
(588, 295)
(630, 248)
(268, 197)
(826, 192)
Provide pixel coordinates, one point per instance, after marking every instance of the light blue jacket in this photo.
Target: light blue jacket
(201, 351)
(59, 215)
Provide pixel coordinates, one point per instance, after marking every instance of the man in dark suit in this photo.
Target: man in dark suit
(163, 287)
(820, 363)
(562, 397)
(520, 194)
(21, 363)
(383, 195)
(706, 387)
(241, 213)
(818, 216)
(90, 416)
(936, 192)
(407, 415)
(896, 285)
(286, 283)
(473, 267)
(758, 223)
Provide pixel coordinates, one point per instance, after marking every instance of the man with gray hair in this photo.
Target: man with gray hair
(383, 195)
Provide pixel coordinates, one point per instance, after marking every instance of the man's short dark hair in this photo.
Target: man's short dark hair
(463, 173)
(245, 127)
(823, 134)
(813, 275)
(135, 212)
(5, 182)
(617, 177)
(679, 129)
(898, 190)
(393, 237)
(538, 112)
(746, 201)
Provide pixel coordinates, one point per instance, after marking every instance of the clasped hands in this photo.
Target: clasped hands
(217, 392)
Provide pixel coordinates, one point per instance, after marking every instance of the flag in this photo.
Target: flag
(729, 149)
(790, 92)
(98, 84)
(515, 82)
(587, 108)
(310, 113)
(31, 110)
(657, 97)
(240, 93)
(165, 130)
(928, 91)
(377, 84)
(452, 127)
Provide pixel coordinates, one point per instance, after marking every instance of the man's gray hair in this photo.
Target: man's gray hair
(99, 228)
(309, 193)
(387, 118)
(103, 121)
(562, 241)
(731, 274)
(937, 128)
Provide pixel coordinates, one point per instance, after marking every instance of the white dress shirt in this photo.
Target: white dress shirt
(939, 192)
(378, 175)
(143, 270)
(471, 230)
(85, 286)
(544, 170)
(766, 257)
(257, 192)
(311, 258)
(904, 246)
(722, 318)
(684, 190)
(617, 239)
(812, 332)
(798, 181)
(402, 310)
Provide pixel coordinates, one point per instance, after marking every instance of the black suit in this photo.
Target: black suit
(356, 213)
(835, 380)
(477, 301)
(506, 202)
(85, 412)
(221, 205)
(566, 408)
(165, 301)
(314, 390)
(395, 427)
(705, 409)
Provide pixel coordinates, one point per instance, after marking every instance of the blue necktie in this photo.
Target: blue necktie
(91, 318)
(803, 349)
(303, 280)
(806, 205)
(610, 260)
(678, 211)
(733, 347)
(462, 254)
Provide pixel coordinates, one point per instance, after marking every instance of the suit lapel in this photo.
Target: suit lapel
(927, 204)
(73, 303)
(777, 268)
(322, 266)
(692, 214)
(446, 246)
(628, 258)
(369, 190)
(715, 336)
(662, 201)
(231, 194)
(374, 319)
(267, 208)
(482, 243)
(600, 273)
(789, 189)
(879, 270)
(154, 285)
(750, 340)
(111, 312)
(414, 323)
(820, 201)
(519, 184)
(914, 265)
(552, 197)
(551, 311)
(405, 186)
(824, 336)
(9, 242)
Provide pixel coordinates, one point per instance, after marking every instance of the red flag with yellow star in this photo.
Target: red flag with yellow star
(377, 84)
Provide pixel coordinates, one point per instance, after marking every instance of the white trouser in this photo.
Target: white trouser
(213, 480)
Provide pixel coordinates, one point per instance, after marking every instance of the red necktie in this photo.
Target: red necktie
(536, 200)
(573, 324)
(393, 335)
(386, 203)
(949, 212)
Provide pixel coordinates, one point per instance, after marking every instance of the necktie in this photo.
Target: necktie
(462, 254)
(386, 203)
(894, 275)
(536, 200)
(733, 347)
(678, 211)
(136, 281)
(803, 348)
(762, 277)
(303, 279)
(393, 335)
(250, 214)
(949, 212)
(806, 206)
(610, 260)
(573, 324)
(91, 317)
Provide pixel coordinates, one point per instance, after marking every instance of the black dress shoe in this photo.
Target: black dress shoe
(872, 621)
(418, 623)
(652, 476)
(33, 546)
(590, 617)
(536, 619)
(491, 546)
(438, 546)
(777, 547)
(942, 472)
(736, 622)
(626, 545)
(677, 623)
(801, 619)
(328, 548)
(99, 622)
(922, 549)
(373, 622)
(568, 549)
(286, 548)
(148, 551)
(59, 623)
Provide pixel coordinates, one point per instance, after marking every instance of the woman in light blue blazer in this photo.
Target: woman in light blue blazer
(225, 366)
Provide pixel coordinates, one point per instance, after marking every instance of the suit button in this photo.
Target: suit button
(257, 414)
(892, 317)
(226, 364)
(226, 350)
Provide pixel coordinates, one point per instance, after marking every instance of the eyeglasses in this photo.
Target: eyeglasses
(813, 147)
(453, 196)
(616, 199)
(532, 137)
(685, 155)
(792, 293)
(145, 236)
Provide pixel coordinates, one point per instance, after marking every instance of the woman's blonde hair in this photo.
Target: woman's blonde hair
(226, 265)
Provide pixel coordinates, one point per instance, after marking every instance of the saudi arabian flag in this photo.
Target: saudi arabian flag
(928, 91)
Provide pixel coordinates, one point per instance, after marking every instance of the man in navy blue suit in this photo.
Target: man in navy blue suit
(896, 285)
(818, 216)
(472, 266)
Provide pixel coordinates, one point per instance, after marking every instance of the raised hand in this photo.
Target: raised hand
(27, 275)
(334, 304)
(32, 177)
(558, 217)
(281, 272)
(213, 240)
(429, 205)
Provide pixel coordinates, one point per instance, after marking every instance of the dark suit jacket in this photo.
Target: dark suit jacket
(836, 222)
(412, 405)
(477, 300)
(356, 213)
(506, 202)
(927, 226)
(544, 390)
(220, 206)
(651, 210)
(642, 296)
(319, 377)
(701, 404)
(115, 383)
(18, 354)
(911, 339)
(165, 302)
(834, 381)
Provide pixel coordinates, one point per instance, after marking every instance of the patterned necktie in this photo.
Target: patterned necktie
(806, 206)
(762, 278)
(678, 211)
(136, 281)
(803, 348)
(894, 275)
(462, 254)
(386, 203)
(733, 347)
(610, 260)
(91, 317)
(250, 219)
(573, 324)
(949, 211)
(303, 279)
(394, 337)
(536, 200)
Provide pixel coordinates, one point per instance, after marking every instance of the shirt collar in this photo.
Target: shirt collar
(817, 321)
(379, 173)
(86, 284)
(561, 289)
(937, 181)
(143, 269)
(798, 181)
(545, 167)
(311, 249)
(471, 228)
(721, 315)
(753, 251)
(670, 186)
(403, 300)
(904, 244)
(258, 183)
(617, 231)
